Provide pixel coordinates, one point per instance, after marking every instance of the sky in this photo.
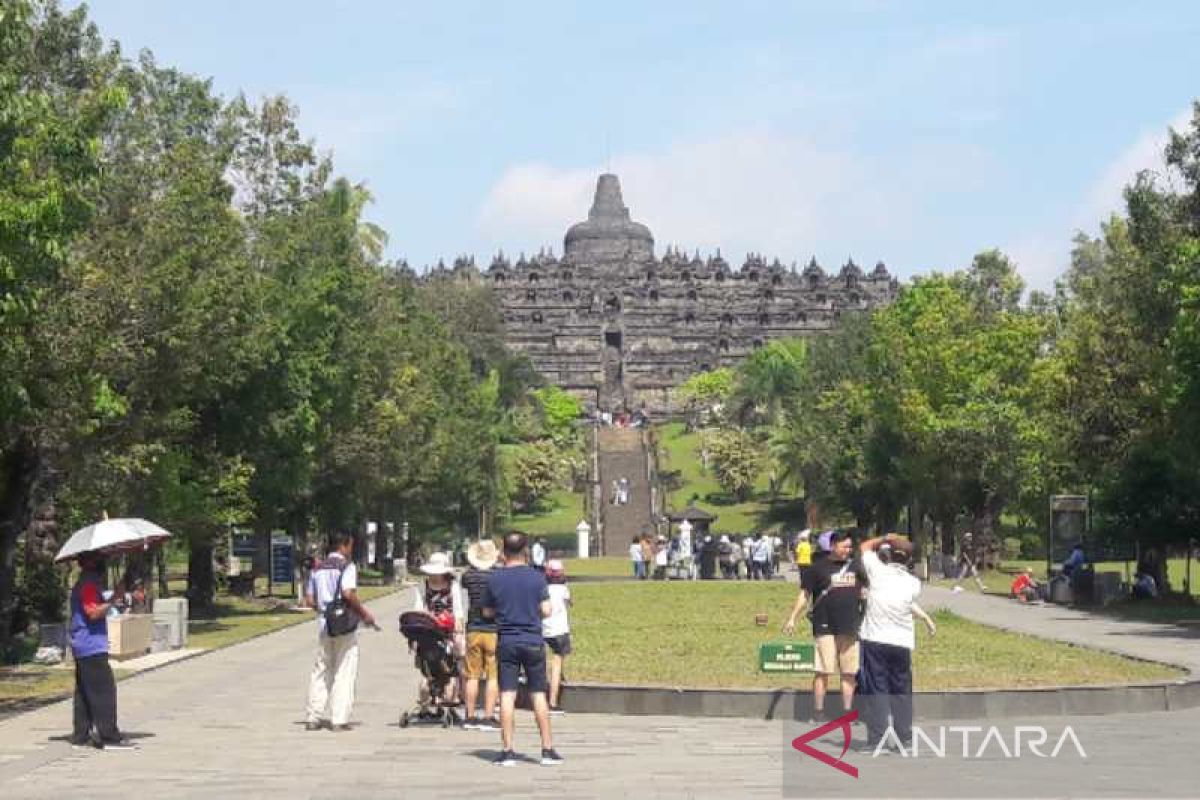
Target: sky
(914, 133)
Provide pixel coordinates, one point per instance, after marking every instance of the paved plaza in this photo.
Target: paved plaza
(231, 722)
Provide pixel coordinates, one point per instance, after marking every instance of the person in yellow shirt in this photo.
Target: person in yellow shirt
(803, 550)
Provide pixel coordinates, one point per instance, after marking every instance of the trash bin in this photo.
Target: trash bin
(1060, 591)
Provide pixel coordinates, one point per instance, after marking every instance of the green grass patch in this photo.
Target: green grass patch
(606, 566)
(681, 452)
(561, 513)
(702, 634)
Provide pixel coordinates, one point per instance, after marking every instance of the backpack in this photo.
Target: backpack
(340, 618)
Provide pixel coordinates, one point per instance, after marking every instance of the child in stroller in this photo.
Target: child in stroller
(438, 663)
(436, 638)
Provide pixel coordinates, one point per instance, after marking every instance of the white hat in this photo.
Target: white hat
(438, 564)
(804, 534)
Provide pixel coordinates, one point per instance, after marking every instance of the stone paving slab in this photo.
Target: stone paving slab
(231, 723)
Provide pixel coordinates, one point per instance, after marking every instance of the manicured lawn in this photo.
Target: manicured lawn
(564, 510)
(682, 453)
(703, 634)
(607, 566)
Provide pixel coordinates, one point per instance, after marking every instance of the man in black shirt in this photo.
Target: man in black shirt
(833, 586)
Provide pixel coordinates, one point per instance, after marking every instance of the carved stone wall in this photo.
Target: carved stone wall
(620, 327)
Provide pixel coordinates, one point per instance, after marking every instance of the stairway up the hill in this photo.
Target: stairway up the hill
(622, 455)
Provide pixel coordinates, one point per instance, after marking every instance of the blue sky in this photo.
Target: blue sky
(915, 133)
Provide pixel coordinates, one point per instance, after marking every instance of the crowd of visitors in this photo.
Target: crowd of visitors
(502, 615)
(758, 556)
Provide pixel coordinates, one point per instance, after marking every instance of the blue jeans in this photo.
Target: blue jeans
(639, 570)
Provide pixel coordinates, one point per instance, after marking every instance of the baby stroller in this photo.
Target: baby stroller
(434, 647)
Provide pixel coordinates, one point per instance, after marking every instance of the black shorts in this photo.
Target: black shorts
(513, 659)
(559, 645)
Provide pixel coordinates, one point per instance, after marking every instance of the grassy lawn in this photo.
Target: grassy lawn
(563, 511)
(682, 453)
(606, 566)
(237, 620)
(703, 634)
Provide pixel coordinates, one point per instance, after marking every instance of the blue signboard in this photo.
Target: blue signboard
(281, 561)
(242, 544)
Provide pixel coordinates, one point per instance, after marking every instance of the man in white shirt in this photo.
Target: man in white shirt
(335, 669)
(887, 639)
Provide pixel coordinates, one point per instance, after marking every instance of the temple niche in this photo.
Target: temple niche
(619, 327)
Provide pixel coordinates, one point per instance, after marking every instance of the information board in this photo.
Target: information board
(281, 560)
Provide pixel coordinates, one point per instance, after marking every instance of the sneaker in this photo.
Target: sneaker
(82, 743)
(490, 724)
(867, 748)
(119, 744)
(550, 757)
(507, 758)
(957, 589)
(469, 724)
(557, 711)
(340, 728)
(817, 717)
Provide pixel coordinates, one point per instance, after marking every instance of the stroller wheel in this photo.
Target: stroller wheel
(404, 719)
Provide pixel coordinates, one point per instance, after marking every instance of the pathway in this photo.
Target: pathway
(1152, 641)
(229, 723)
(623, 456)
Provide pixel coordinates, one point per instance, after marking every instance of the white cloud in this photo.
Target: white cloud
(1045, 256)
(760, 190)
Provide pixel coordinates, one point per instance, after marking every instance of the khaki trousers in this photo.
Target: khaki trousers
(331, 687)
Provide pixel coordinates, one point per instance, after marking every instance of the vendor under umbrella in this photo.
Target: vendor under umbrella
(95, 721)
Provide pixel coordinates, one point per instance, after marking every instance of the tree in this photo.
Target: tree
(736, 461)
(57, 93)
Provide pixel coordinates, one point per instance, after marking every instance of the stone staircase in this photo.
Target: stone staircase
(623, 455)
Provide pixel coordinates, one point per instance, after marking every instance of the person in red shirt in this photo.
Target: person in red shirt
(1024, 587)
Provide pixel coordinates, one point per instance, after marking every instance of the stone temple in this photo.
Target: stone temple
(619, 327)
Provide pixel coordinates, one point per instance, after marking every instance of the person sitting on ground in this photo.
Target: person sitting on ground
(556, 628)
(1144, 586)
(1024, 587)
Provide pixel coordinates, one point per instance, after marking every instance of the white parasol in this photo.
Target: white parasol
(112, 536)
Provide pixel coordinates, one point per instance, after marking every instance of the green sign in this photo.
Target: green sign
(786, 656)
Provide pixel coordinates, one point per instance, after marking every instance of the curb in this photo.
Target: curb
(967, 704)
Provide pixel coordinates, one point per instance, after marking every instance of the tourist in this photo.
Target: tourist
(481, 640)
(95, 706)
(1024, 587)
(556, 629)
(1075, 562)
(708, 559)
(967, 559)
(614, 492)
(748, 556)
(888, 639)
(335, 668)
(637, 559)
(725, 557)
(660, 559)
(518, 599)
(831, 589)
(538, 554)
(761, 557)
(623, 491)
(803, 550)
(647, 552)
